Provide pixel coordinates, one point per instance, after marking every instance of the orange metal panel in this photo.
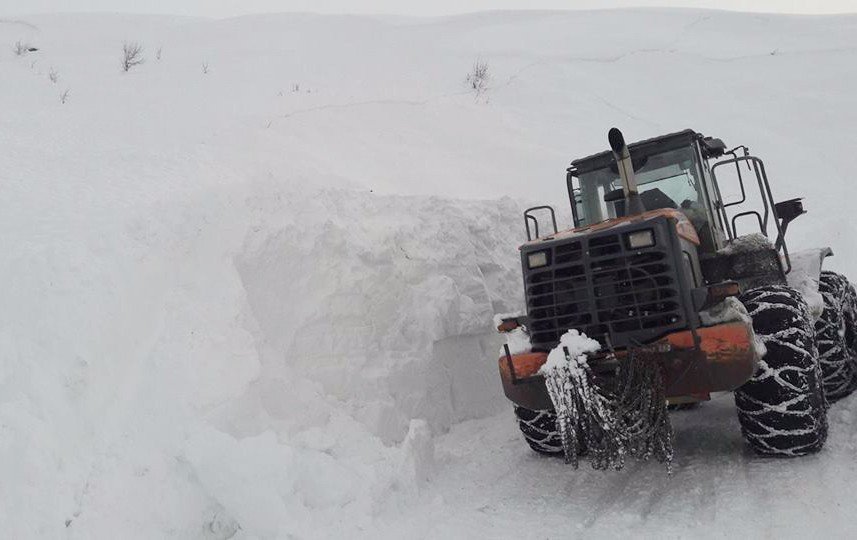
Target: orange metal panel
(525, 365)
(726, 359)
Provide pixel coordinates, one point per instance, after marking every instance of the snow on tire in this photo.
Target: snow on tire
(782, 409)
(539, 429)
(834, 332)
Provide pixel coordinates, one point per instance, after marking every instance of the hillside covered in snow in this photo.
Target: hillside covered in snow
(248, 285)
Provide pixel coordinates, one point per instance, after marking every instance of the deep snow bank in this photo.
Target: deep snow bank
(385, 301)
(280, 339)
(195, 339)
(368, 312)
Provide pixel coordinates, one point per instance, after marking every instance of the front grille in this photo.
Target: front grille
(601, 288)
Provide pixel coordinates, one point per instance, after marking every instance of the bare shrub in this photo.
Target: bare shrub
(158, 53)
(21, 48)
(53, 75)
(478, 78)
(205, 67)
(132, 55)
(64, 96)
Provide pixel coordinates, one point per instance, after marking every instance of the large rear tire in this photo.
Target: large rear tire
(835, 335)
(539, 429)
(782, 409)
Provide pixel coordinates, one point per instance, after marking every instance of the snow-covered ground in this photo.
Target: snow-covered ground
(256, 301)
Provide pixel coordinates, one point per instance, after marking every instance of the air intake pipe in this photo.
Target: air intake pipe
(633, 204)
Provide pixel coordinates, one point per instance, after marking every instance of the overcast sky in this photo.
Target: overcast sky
(226, 8)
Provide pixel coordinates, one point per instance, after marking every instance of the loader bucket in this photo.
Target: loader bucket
(724, 359)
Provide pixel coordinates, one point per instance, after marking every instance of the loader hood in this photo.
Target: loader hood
(683, 227)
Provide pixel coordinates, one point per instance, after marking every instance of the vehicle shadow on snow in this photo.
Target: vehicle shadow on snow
(708, 448)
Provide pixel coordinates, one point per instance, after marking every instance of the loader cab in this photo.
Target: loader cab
(672, 171)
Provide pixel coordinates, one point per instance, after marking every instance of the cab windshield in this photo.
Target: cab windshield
(666, 180)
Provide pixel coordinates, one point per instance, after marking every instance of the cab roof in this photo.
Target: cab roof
(646, 147)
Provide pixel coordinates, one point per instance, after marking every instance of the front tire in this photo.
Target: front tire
(539, 429)
(835, 335)
(782, 409)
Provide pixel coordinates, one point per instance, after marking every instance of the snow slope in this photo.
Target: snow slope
(256, 302)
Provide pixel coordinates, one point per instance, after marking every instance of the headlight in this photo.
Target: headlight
(641, 239)
(537, 259)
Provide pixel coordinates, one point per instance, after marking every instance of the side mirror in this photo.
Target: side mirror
(712, 148)
(788, 210)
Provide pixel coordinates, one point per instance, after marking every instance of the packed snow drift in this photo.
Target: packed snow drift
(248, 285)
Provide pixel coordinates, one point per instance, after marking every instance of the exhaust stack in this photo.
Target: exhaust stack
(633, 204)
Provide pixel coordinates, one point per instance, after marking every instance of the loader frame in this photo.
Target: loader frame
(698, 360)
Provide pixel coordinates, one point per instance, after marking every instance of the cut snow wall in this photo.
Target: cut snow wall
(386, 302)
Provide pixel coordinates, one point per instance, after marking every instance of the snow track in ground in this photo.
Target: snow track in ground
(718, 489)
